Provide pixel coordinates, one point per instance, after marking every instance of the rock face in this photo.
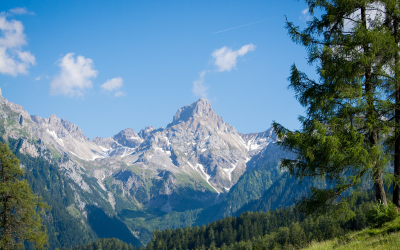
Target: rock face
(185, 166)
(197, 143)
(66, 137)
(196, 149)
(128, 138)
(256, 142)
(203, 142)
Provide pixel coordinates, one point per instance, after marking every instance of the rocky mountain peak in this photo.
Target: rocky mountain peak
(146, 132)
(128, 137)
(106, 143)
(201, 109)
(61, 127)
(126, 133)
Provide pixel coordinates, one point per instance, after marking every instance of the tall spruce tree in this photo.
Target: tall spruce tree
(393, 22)
(346, 108)
(391, 10)
(20, 208)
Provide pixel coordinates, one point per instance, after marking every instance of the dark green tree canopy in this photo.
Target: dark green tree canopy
(348, 109)
(20, 208)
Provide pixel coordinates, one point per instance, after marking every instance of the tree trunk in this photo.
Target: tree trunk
(373, 133)
(396, 182)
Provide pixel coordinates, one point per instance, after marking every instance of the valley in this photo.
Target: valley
(196, 170)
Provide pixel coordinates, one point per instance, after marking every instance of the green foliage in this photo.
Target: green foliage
(343, 131)
(106, 244)
(21, 211)
(250, 187)
(46, 179)
(383, 238)
(283, 228)
(392, 62)
(283, 192)
(145, 221)
(109, 227)
(380, 214)
(64, 230)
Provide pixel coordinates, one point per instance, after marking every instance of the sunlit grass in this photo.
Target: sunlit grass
(386, 237)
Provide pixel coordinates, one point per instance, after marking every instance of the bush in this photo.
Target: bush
(379, 214)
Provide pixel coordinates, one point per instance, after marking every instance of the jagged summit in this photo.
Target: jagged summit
(128, 137)
(200, 109)
(61, 127)
(146, 132)
(126, 133)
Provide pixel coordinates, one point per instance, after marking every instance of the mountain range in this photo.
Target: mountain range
(197, 169)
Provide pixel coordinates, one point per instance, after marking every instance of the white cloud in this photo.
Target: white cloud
(199, 89)
(38, 78)
(112, 84)
(305, 15)
(75, 76)
(13, 60)
(21, 11)
(225, 58)
(119, 94)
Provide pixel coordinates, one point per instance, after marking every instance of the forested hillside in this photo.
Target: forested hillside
(63, 228)
(262, 173)
(279, 228)
(46, 180)
(282, 193)
(106, 244)
(254, 192)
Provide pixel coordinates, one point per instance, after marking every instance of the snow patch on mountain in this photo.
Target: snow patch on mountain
(52, 133)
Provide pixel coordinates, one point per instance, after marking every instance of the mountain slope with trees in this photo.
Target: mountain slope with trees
(21, 210)
(278, 228)
(64, 228)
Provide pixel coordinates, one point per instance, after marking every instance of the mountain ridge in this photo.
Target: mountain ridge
(189, 165)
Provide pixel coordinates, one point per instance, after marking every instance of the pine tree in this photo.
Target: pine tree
(391, 11)
(98, 245)
(20, 208)
(341, 136)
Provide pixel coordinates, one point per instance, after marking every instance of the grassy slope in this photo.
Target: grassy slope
(386, 237)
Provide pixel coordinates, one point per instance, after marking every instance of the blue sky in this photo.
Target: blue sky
(107, 66)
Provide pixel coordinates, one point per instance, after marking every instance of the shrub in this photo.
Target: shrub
(379, 214)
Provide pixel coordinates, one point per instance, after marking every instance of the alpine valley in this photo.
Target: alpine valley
(196, 170)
